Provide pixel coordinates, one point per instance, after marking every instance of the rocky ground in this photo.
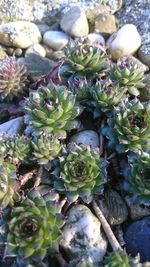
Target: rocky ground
(36, 33)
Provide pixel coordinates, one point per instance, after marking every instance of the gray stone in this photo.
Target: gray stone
(20, 34)
(144, 54)
(87, 138)
(95, 38)
(105, 24)
(145, 92)
(137, 12)
(113, 207)
(136, 211)
(125, 42)
(82, 237)
(43, 28)
(55, 39)
(75, 23)
(12, 127)
(36, 49)
(37, 65)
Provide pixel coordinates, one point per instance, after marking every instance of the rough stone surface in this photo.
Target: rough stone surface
(105, 24)
(136, 211)
(145, 92)
(12, 127)
(113, 207)
(125, 42)
(75, 23)
(87, 138)
(37, 10)
(82, 236)
(55, 39)
(137, 238)
(37, 65)
(144, 53)
(20, 34)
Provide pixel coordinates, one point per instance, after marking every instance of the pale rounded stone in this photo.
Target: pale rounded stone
(105, 23)
(37, 49)
(82, 237)
(56, 39)
(125, 42)
(12, 127)
(87, 138)
(20, 34)
(96, 38)
(75, 23)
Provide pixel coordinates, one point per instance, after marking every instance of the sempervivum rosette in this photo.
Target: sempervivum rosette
(83, 59)
(81, 173)
(107, 94)
(32, 227)
(8, 184)
(52, 109)
(12, 78)
(129, 127)
(138, 178)
(129, 75)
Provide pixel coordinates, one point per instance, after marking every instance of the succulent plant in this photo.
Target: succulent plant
(8, 184)
(52, 110)
(128, 75)
(129, 127)
(3, 148)
(80, 87)
(81, 173)
(83, 59)
(107, 94)
(20, 149)
(32, 227)
(46, 148)
(12, 78)
(138, 178)
(121, 259)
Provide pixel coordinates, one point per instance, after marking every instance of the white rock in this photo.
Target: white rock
(125, 42)
(96, 38)
(36, 49)
(12, 127)
(75, 23)
(19, 34)
(87, 138)
(56, 39)
(81, 236)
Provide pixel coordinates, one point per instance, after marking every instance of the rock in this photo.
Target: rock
(113, 207)
(75, 23)
(56, 55)
(136, 211)
(137, 238)
(136, 12)
(145, 92)
(37, 65)
(125, 42)
(144, 54)
(105, 24)
(87, 138)
(20, 34)
(2, 53)
(55, 39)
(36, 49)
(43, 28)
(18, 52)
(96, 38)
(82, 237)
(12, 127)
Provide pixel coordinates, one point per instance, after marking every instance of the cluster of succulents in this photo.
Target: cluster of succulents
(12, 78)
(89, 84)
